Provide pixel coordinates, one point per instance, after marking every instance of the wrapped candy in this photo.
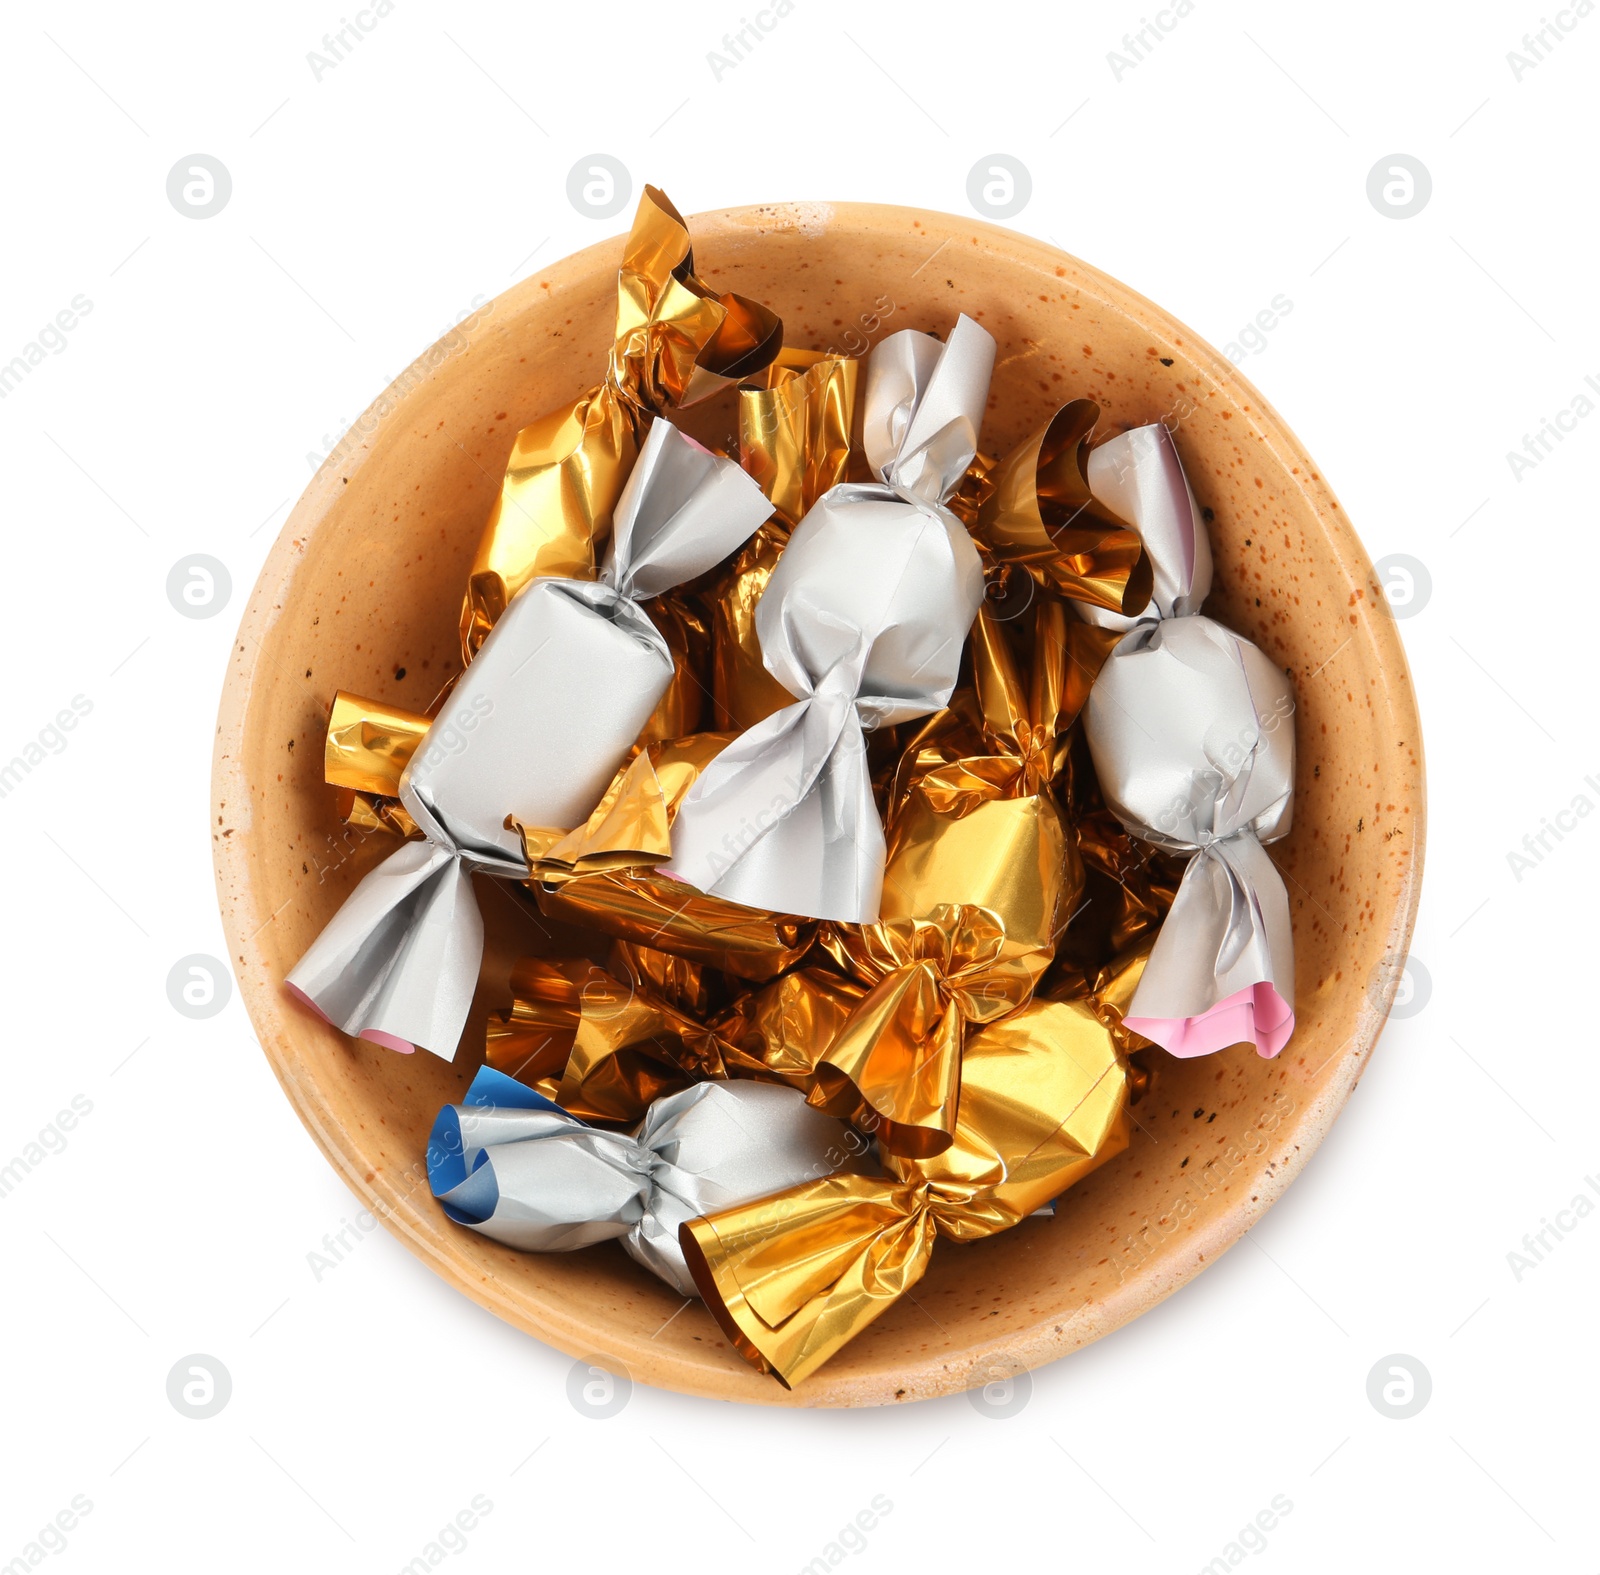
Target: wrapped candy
(676, 343)
(534, 729)
(883, 1048)
(603, 1043)
(520, 1170)
(793, 1276)
(972, 818)
(863, 621)
(1191, 729)
(794, 438)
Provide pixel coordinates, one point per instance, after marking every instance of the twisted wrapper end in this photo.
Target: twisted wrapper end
(1192, 732)
(1139, 476)
(1041, 514)
(531, 735)
(675, 342)
(863, 621)
(520, 1170)
(793, 1277)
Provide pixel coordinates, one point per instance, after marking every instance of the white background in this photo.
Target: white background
(370, 207)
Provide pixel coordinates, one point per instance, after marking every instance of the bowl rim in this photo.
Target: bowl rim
(933, 1373)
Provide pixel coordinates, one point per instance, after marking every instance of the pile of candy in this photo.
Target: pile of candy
(983, 817)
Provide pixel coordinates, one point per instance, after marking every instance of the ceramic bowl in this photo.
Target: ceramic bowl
(362, 591)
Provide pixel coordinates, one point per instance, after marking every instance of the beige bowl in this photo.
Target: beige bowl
(362, 590)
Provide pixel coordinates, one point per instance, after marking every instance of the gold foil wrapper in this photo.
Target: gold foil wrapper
(1042, 515)
(369, 744)
(629, 827)
(795, 1276)
(973, 817)
(676, 342)
(894, 1066)
(685, 707)
(780, 1030)
(602, 1044)
(655, 910)
(1128, 888)
(364, 755)
(794, 427)
(743, 691)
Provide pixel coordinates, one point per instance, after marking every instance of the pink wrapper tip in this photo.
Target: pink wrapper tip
(1255, 1015)
(305, 1000)
(388, 1041)
(376, 1035)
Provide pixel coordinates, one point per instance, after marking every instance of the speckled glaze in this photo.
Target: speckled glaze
(362, 591)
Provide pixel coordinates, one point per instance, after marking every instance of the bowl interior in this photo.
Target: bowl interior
(362, 592)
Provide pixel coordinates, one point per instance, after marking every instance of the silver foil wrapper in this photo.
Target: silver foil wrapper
(1191, 729)
(519, 1169)
(535, 730)
(863, 621)
(1139, 476)
(1192, 733)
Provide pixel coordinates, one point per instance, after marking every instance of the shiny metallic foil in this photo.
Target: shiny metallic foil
(600, 876)
(793, 1277)
(973, 817)
(602, 1046)
(1042, 515)
(676, 342)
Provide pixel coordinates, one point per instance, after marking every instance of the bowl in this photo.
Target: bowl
(362, 591)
